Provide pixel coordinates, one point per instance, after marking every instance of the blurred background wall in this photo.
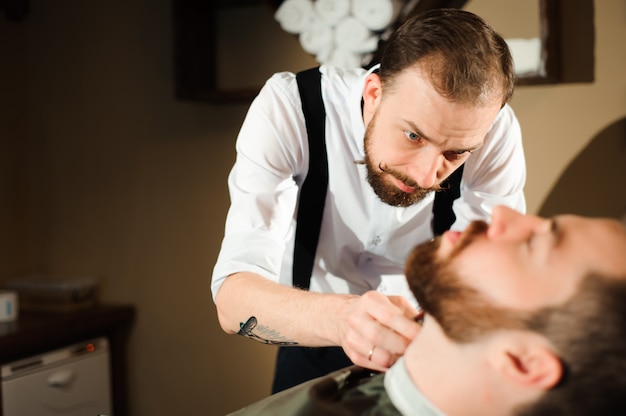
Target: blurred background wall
(104, 173)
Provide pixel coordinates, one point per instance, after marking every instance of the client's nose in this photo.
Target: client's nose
(508, 223)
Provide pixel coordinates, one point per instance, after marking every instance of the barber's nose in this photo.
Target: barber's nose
(507, 223)
(427, 172)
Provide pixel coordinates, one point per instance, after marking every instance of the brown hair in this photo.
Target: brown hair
(589, 334)
(467, 60)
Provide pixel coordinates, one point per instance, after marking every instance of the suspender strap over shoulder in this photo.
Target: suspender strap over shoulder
(313, 192)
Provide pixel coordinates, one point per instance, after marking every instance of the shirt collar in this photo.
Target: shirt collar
(405, 395)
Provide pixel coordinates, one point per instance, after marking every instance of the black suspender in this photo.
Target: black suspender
(313, 192)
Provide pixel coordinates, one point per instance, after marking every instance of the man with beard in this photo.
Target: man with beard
(524, 316)
(433, 108)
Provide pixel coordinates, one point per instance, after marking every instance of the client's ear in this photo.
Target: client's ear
(531, 363)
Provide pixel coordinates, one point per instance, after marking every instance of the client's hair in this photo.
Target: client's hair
(589, 333)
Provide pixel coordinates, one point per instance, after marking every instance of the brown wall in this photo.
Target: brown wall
(13, 139)
(104, 173)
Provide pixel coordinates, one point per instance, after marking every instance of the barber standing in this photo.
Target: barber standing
(395, 146)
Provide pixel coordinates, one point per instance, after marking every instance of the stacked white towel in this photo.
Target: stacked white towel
(317, 38)
(353, 36)
(295, 16)
(376, 14)
(332, 11)
(338, 32)
(344, 59)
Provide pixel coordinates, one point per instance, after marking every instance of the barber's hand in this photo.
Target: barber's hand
(378, 329)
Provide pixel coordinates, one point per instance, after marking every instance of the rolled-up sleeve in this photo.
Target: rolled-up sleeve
(263, 184)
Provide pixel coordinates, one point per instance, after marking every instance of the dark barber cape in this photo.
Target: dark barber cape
(351, 391)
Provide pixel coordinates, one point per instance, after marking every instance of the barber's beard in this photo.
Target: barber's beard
(386, 192)
(462, 312)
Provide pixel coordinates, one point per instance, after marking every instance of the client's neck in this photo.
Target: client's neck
(452, 376)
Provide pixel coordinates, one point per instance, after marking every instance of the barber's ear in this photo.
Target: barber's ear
(372, 91)
(532, 365)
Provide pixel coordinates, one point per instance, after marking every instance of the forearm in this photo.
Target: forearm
(282, 314)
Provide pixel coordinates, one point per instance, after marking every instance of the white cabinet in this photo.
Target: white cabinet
(72, 381)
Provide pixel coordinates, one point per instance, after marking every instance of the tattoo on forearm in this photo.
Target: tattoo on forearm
(251, 329)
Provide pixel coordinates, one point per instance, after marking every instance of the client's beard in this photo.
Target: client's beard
(462, 312)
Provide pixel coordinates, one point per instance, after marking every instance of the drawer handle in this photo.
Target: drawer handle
(61, 378)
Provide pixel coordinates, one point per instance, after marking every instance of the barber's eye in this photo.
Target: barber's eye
(411, 135)
(453, 155)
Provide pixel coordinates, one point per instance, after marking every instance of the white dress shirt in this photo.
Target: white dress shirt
(363, 241)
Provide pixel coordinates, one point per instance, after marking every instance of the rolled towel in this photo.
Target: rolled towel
(376, 14)
(344, 59)
(332, 11)
(526, 55)
(324, 56)
(317, 38)
(295, 16)
(353, 36)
